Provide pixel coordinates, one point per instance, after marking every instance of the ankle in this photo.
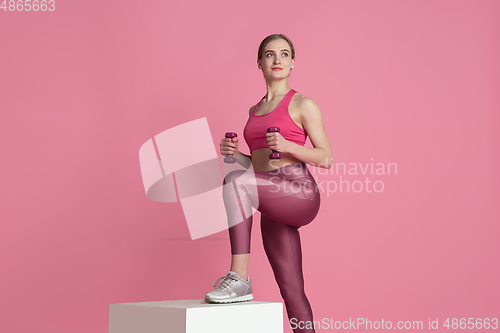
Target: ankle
(242, 275)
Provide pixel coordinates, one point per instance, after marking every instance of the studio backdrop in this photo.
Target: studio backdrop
(408, 226)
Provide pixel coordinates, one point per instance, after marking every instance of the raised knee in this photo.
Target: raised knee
(232, 176)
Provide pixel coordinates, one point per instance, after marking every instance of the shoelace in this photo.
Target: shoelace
(228, 281)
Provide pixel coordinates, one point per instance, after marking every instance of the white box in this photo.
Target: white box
(196, 316)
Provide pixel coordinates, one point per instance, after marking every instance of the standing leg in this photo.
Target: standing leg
(283, 249)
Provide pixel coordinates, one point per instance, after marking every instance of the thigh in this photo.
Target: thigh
(294, 210)
(293, 200)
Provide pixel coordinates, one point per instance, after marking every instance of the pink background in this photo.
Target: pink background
(408, 82)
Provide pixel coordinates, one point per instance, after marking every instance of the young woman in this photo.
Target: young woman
(283, 190)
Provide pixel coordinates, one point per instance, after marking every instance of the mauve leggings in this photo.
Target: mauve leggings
(288, 198)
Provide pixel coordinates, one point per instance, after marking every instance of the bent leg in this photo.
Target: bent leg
(288, 195)
(283, 249)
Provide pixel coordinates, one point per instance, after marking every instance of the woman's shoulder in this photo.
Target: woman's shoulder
(251, 109)
(303, 102)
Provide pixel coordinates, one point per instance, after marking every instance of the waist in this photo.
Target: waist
(297, 170)
(261, 161)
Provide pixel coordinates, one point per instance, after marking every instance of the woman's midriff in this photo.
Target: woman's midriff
(262, 162)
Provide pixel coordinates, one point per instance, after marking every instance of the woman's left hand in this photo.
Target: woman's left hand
(277, 142)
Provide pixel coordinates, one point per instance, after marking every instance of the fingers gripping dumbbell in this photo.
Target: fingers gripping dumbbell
(229, 158)
(275, 154)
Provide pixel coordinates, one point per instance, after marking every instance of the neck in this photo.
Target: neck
(276, 88)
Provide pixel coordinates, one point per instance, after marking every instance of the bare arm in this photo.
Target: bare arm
(243, 159)
(312, 121)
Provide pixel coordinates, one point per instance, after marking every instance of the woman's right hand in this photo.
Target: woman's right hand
(229, 146)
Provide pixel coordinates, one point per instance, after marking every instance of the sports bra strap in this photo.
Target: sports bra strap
(288, 98)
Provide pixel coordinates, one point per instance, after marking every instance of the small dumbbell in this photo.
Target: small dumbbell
(229, 158)
(275, 154)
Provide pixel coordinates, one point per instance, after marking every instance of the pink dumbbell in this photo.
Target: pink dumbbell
(275, 154)
(229, 158)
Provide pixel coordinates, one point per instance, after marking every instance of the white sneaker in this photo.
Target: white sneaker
(231, 289)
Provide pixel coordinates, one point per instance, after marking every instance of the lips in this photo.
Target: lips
(277, 69)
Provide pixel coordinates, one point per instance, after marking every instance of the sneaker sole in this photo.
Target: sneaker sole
(244, 298)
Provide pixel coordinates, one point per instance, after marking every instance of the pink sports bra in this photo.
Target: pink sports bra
(256, 127)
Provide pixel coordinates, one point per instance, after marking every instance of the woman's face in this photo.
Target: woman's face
(276, 54)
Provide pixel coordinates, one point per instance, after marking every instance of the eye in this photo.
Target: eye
(285, 54)
(268, 54)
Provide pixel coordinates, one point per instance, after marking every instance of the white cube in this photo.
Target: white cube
(196, 316)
